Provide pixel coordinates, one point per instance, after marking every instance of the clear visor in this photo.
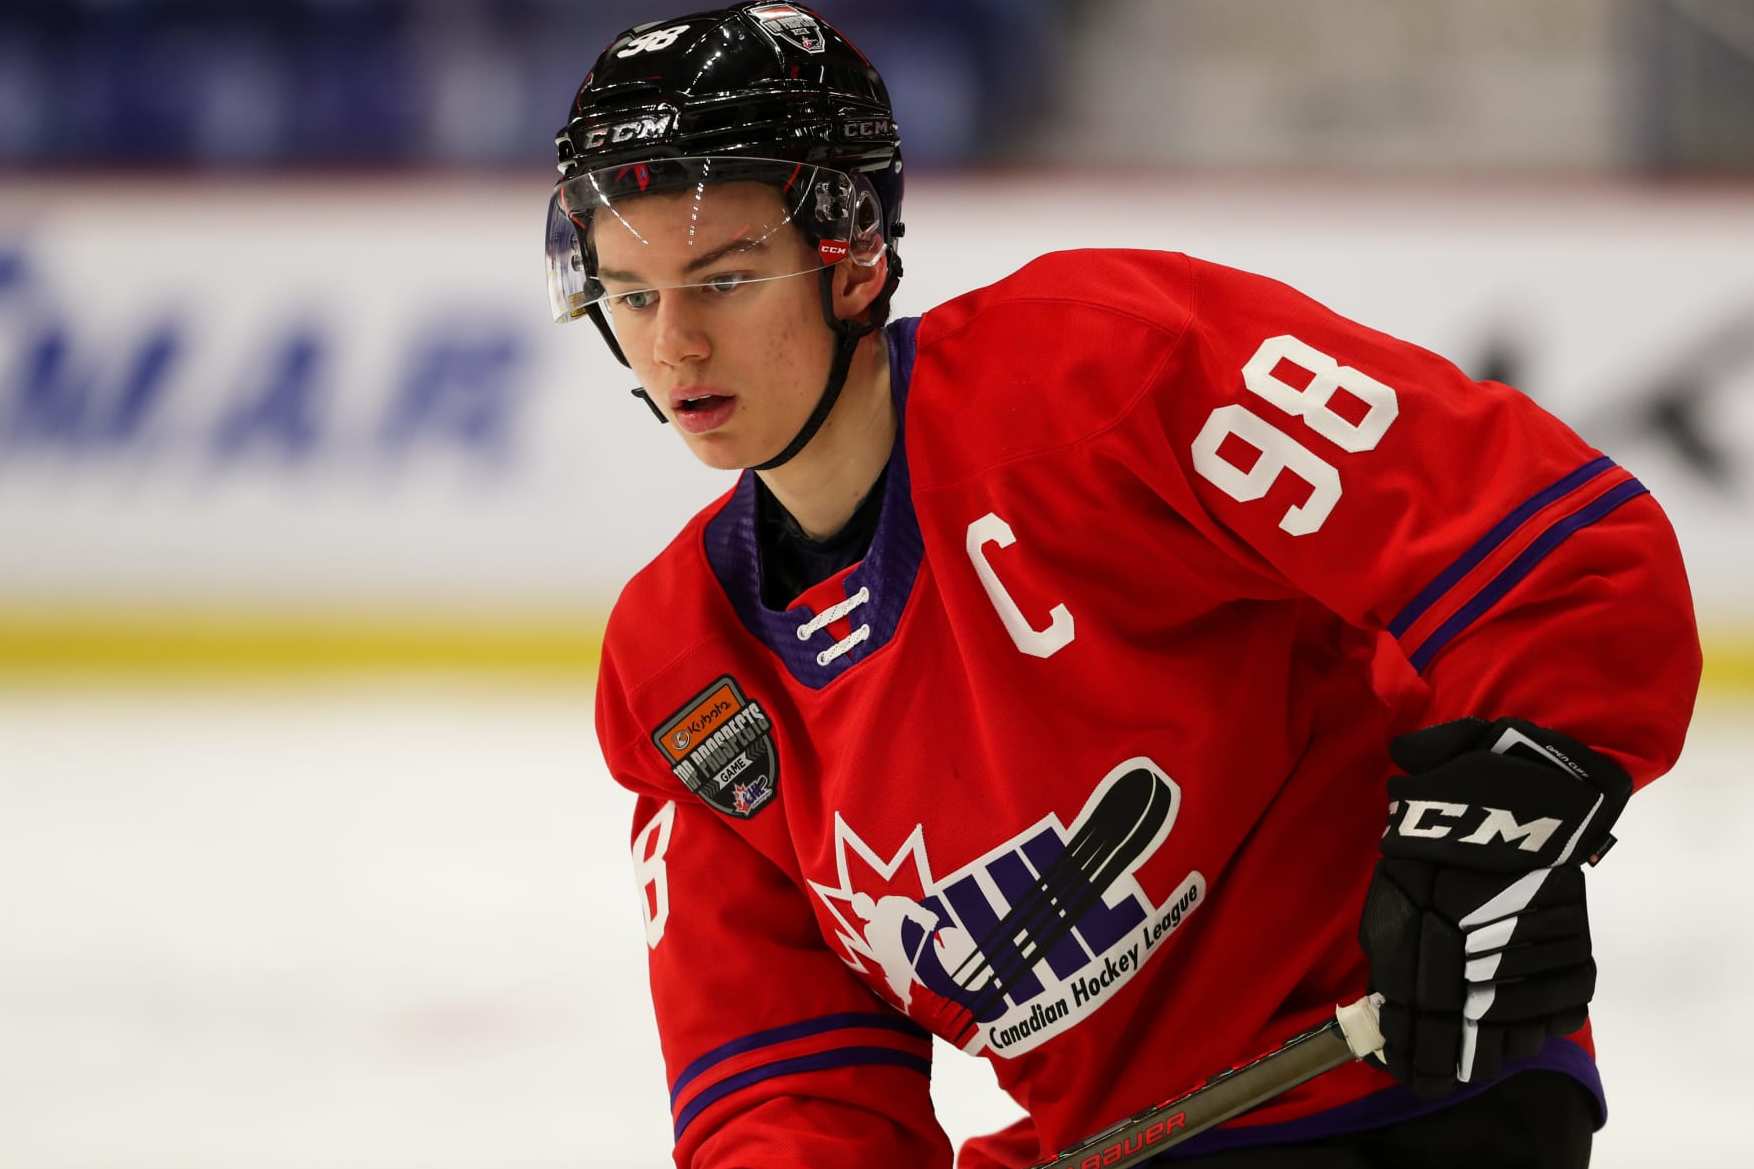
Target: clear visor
(619, 234)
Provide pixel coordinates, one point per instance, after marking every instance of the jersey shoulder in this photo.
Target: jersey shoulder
(1088, 285)
(1067, 347)
(1052, 354)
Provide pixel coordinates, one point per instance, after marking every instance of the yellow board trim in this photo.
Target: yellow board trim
(1729, 664)
(229, 643)
(47, 642)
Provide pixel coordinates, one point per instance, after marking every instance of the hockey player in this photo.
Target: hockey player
(1047, 679)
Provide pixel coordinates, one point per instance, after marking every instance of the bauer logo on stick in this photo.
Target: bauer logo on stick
(721, 747)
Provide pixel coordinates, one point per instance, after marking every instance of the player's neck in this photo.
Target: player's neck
(824, 483)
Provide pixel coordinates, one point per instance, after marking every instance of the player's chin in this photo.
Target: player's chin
(723, 452)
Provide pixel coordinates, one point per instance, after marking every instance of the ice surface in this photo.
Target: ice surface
(387, 927)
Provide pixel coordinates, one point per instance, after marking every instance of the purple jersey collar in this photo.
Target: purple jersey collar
(888, 568)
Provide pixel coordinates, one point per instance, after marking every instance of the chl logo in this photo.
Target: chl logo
(1027, 940)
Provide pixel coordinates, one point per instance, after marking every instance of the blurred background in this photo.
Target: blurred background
(309, 518)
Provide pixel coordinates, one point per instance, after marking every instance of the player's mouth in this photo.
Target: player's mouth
(698, 409)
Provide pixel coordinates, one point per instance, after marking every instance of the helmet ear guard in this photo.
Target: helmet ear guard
(867, 244)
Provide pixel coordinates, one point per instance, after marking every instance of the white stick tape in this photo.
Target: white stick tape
(1358, 1022)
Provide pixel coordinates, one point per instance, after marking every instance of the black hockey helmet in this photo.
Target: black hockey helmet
(758, 92)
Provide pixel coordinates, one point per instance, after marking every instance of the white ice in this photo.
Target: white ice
(394, 926)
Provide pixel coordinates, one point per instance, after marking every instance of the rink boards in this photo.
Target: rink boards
(311, 424)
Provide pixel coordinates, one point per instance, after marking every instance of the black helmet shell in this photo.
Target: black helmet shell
(758, 81)
(755, 79)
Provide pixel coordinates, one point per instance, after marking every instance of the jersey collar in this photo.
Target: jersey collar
(887, 570)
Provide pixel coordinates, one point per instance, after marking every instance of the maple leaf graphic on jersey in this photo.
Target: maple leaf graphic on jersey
(1026, 940)
(873, 900)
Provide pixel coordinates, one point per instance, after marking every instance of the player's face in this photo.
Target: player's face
(736, 362)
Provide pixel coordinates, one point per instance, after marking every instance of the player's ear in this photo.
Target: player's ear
(857, 285)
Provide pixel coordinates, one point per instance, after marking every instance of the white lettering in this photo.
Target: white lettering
(1416, 811)
(733, 769)
(653, 42)
(647, 126)
(1279, 452)
(1500, 823)
(1040, 643)
(649, 847)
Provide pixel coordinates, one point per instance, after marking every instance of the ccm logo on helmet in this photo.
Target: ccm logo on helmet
(1427, 818)
(641, 128)
(868, 128)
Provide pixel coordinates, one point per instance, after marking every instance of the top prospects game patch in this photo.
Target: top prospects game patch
(789, 24)
(721, 747)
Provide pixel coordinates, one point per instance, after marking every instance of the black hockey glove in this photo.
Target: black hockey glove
(1474, 923)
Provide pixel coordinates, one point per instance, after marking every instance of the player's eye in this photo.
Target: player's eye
(645, 298)
(725, 283)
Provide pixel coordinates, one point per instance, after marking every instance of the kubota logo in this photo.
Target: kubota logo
(705, 717)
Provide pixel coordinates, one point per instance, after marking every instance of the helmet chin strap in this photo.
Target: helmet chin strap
(845, 345)
(602, 322)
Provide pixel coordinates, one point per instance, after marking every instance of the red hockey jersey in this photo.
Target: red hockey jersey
(1082, 766)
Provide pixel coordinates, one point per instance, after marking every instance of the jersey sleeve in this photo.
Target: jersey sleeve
(776, 1056)
(1518, 570)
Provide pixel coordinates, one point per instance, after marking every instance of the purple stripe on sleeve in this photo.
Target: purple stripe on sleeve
(843, 1021)
(1482, 548)
(1522, 566)
(840, 1057)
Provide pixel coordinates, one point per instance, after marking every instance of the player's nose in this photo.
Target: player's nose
(677, 334)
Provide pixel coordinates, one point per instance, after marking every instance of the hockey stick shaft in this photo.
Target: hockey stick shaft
(1352, 1034)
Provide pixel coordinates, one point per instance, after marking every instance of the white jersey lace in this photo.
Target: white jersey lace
(832, 614)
